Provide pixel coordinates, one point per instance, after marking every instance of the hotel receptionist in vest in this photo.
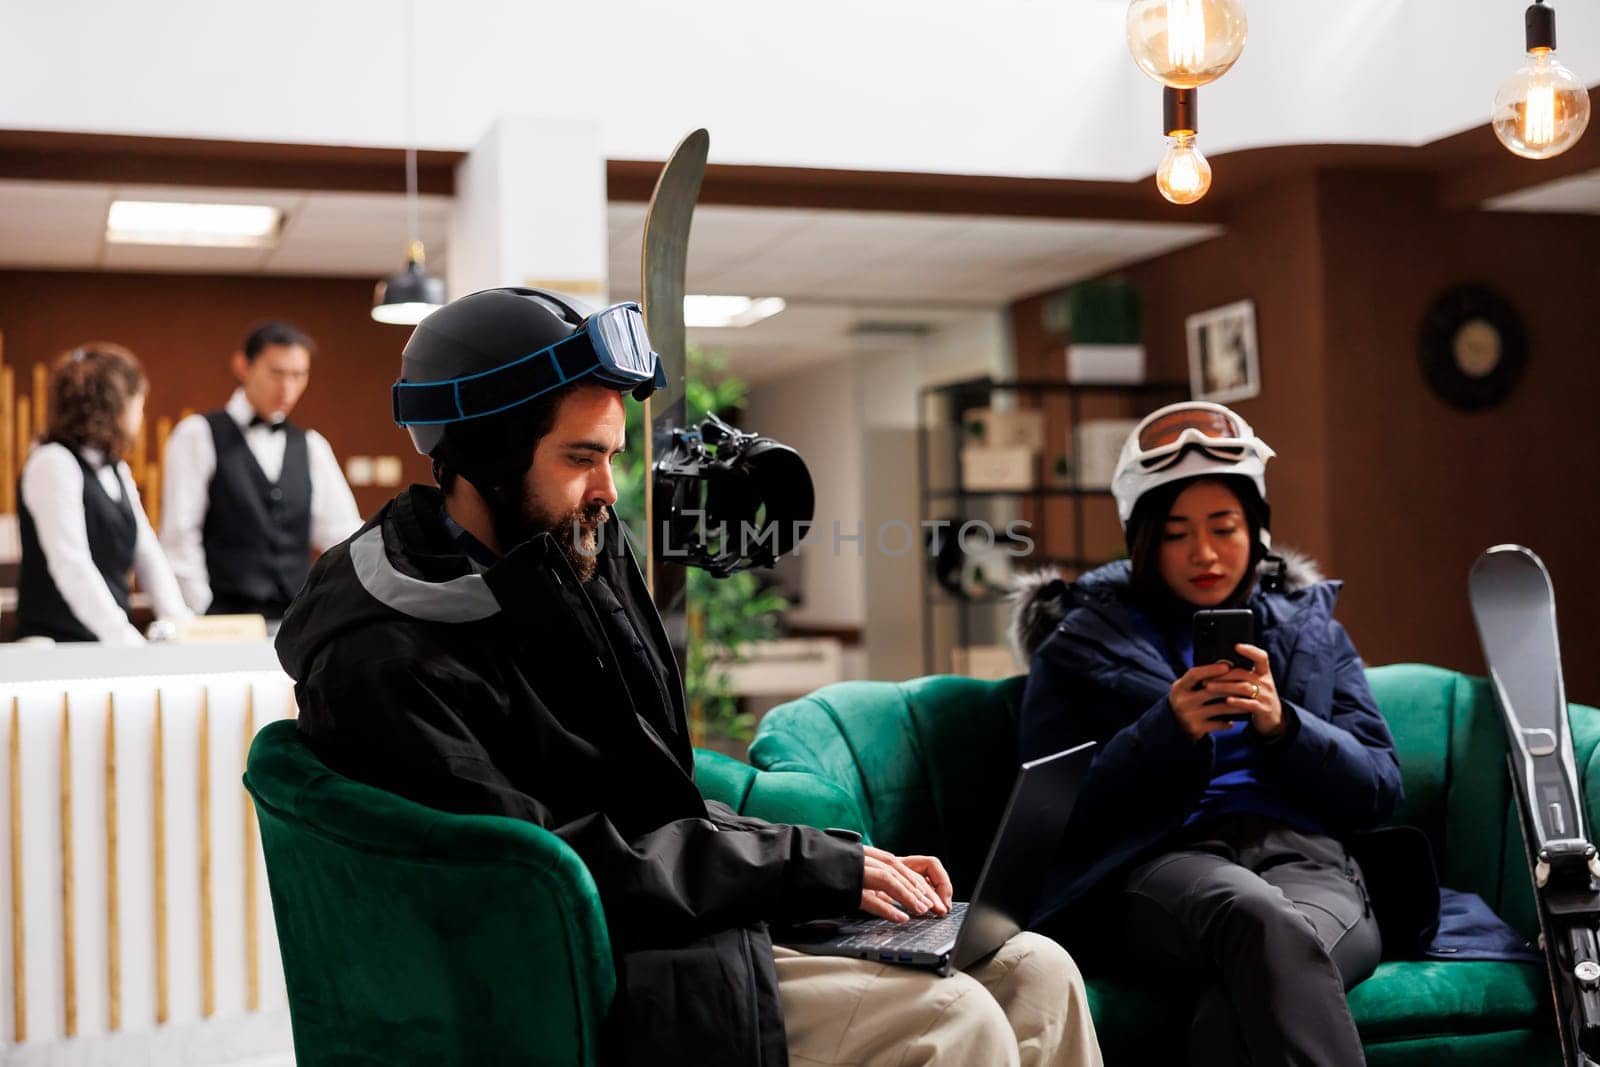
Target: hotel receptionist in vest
(83, 528)
(248, 495)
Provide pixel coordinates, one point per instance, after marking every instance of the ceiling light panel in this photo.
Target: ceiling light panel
(155, 222)
(729, 311)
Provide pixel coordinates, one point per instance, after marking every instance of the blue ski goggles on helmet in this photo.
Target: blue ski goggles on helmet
(610, 347)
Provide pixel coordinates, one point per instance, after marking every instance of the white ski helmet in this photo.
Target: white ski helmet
(1188, 440)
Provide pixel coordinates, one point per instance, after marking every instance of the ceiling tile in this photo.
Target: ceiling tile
(624, 234)
(356, 233)
(845, 261)
(52, 224)
(279, 198)
(183, 260)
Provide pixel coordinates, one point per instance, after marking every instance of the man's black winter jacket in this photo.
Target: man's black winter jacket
(519, 691)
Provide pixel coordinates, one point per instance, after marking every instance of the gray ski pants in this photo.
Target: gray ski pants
(1268, 927)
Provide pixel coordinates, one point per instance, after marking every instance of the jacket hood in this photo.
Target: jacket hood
(1039, 601)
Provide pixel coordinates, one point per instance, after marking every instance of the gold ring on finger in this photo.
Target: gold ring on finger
(1255, 690)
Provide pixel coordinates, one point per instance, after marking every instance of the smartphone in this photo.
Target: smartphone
(1216, 632)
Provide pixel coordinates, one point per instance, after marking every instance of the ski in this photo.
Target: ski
(1513, 604)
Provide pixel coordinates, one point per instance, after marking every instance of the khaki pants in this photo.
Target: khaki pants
(1024, 1007)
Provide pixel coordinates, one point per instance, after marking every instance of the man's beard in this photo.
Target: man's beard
(577, 531)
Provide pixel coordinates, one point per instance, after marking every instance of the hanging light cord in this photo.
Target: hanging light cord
(411, 195)
(412, 230)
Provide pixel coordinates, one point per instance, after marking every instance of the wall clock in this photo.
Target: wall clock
(1472, 347)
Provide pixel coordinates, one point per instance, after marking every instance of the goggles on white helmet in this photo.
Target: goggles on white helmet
(1187, 440)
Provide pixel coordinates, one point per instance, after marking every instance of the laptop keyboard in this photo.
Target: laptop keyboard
(920, 933)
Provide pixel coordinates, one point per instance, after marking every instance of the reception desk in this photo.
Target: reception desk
(135, 919)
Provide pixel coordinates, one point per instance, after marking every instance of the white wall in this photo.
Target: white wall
(1022, 87)
(973, 347)
(499, 235)
(855, 420)
(816, 412)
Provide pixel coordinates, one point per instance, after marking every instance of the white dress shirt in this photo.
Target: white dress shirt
(52, 488)
(190, 463)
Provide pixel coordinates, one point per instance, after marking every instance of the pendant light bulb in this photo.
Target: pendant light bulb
(1542, 109)
(1184, 175)
(1186, 43)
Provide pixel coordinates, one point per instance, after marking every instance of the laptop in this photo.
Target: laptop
(1024, 848)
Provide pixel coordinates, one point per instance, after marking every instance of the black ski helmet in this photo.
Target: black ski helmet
(474, 334)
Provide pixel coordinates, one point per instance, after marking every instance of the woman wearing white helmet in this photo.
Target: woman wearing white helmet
(1209, 839)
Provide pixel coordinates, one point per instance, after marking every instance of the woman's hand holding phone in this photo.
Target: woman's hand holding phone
(1191, 698)
(1254, 692)
(1244, 693)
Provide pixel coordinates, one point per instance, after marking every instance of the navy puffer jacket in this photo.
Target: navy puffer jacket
(1096, 677)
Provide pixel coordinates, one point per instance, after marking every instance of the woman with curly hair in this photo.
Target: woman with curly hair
(83, 528)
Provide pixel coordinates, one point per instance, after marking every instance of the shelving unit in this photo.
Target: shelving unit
(942, 411)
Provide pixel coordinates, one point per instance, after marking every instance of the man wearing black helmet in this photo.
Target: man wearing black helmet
(489, 647)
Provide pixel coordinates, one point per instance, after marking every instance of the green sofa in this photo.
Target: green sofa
(410, 935)
(928, 764)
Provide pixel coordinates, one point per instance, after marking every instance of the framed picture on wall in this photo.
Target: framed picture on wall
(1224, 364)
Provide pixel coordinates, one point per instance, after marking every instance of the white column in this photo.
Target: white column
(530, 209)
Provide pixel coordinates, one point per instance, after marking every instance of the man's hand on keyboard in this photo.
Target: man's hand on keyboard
(919, 883)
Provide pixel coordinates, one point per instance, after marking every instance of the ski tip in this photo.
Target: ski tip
(1500, 565)
(1503, 551)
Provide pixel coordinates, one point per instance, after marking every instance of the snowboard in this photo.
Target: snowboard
(665, 257)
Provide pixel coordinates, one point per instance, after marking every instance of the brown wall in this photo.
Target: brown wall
(1422, 488)
(1271, 256)
(184, 328)
(1389, 487)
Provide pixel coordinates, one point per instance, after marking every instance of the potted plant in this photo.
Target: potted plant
(1105, 321)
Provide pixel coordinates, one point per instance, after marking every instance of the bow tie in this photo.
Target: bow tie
(275, 427)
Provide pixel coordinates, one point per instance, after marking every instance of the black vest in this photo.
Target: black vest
(257, 534)
(113, 534)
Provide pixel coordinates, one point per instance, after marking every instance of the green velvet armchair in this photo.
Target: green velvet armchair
(928, 763)
(409, 935)
(413, 936)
